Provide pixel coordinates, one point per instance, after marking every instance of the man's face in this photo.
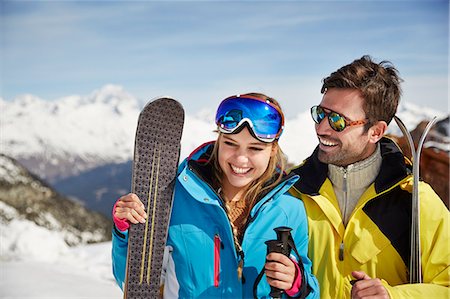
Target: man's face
(350, 145)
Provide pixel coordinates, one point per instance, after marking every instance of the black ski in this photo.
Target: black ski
(156, 158)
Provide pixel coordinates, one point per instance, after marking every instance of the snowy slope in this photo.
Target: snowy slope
(81, 272)
(38, 280)
(36, 262)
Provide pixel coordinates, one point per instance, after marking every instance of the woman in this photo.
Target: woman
(229, 196)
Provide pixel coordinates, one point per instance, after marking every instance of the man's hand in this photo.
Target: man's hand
(367, 287)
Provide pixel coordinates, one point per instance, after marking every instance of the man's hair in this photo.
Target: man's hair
(379, 84)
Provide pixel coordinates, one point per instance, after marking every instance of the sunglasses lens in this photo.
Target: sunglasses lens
(265, 120)
(317, 114)
(337, 122)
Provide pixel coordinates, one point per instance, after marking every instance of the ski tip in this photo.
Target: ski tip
(164, 98)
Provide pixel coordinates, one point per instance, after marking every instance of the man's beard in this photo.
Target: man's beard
(335, 158)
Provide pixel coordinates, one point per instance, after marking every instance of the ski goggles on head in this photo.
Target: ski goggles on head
(337, 122)
(265, 120)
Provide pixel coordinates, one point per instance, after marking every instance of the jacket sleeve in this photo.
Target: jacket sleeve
(435, 239)
(119, 255)
(301, 240)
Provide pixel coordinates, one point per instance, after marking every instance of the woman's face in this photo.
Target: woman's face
(242, 159)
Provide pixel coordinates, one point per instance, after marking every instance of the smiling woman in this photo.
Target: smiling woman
(230, 196)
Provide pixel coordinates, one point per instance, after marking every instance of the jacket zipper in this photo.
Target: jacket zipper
(217, 247)
(345, 189)
(344, 215)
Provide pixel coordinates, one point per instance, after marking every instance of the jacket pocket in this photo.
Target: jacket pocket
(369, 244)
(217, 243)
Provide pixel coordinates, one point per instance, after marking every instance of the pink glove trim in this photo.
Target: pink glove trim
(121, 224)
(297, 282)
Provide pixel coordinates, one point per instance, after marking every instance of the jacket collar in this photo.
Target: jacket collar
(198, 163)
(313, 173)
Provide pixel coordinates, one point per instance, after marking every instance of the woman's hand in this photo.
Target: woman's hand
(280, 271)
(130, 208)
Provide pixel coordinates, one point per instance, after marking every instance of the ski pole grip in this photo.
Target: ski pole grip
(283, 235)
(280, 245)
(275, 246)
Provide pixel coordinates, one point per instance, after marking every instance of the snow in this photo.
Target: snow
(101, 124)
(82, 277)
(10, 173)
(37, 263)
(440, 146)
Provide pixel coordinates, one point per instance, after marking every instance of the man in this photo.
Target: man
(357, 188)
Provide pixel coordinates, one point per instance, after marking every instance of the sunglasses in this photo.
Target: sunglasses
(337, 122)
(265, 120)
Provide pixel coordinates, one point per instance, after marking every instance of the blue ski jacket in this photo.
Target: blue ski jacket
(200, 259)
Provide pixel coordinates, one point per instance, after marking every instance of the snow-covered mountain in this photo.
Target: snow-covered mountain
(61, 138)
(43, 242)
(26, 199)
(64, 137)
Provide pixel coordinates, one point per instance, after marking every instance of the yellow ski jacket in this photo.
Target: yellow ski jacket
(377, 237)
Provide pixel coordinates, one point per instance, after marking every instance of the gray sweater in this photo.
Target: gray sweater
(350, 182)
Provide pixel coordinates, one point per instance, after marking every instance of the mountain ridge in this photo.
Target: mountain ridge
(64, 137)
(25, 196)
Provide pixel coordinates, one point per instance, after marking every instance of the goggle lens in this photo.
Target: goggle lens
(264, 118)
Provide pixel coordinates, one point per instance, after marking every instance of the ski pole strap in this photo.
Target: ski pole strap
(304, 288)
(257, 280)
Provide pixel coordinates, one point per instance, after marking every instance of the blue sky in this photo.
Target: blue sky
(202, 51)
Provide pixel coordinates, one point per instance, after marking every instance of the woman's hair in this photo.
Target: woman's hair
(268, 180)
(379, 84)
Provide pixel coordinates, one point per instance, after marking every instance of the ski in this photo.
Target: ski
(415, 267)
(156, 157)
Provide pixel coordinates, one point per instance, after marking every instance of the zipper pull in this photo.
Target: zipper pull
(341, 251)
(344, 187)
